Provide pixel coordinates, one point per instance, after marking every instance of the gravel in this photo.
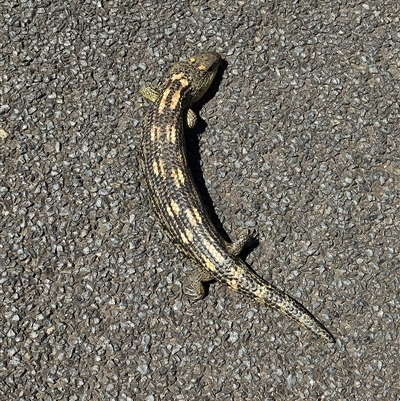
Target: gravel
(299, 139)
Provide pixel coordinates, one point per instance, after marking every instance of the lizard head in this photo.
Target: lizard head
(199, 71)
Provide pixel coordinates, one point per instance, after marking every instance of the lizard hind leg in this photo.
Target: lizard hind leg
(246, 239)
(197, 279)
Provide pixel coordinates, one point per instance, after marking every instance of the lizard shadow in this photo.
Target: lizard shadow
(193, 150)
(194, 161)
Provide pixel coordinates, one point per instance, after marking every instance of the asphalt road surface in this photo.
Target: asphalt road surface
(299, 140)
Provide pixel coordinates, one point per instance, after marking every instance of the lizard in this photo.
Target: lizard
(177, 203)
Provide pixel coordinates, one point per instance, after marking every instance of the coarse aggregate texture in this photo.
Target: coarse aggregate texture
(299, 140)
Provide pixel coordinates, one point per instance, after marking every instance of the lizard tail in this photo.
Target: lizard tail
(288, 306)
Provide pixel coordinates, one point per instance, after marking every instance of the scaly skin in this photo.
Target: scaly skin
(176, 201)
